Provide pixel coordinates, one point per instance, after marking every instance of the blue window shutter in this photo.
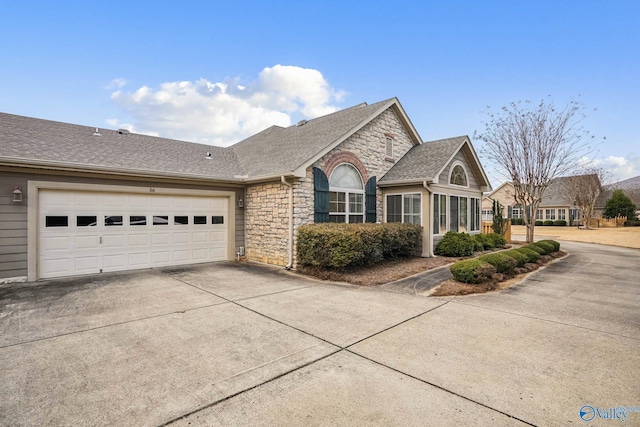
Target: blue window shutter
(509, 212)
(321, 196)
(370, 200)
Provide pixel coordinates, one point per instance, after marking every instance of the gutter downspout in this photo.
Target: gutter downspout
(290, 244)
(430, 216)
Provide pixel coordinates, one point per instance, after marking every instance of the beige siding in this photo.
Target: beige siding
(460, 157)
(13, 216)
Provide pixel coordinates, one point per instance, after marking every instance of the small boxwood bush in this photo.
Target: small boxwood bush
(483, 242)
(472, 271)
(556, 245)
(532, 255)
(342, 245)
(517, 221)
(536, 248)
(538, 222)
(455, 244)
(520, 258)
(548, 222)
(497, 239)
(548, 247)
(560, 222)
(502, 262)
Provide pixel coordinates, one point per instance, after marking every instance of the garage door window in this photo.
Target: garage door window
(137, 220)
(217, 220)
(181, 220)
(57, 221)
(160, 220)
(199, 220)
(112, 220)
(86, 221)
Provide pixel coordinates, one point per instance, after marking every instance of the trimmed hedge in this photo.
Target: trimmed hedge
(556, 245)
(517, 221)
(483, 242)
(340, 245)
(455, 244)
(520, 258)
(497, 239)
(548, 222)
(560, 222)
(548, 247)
(472, 271)
(538, 222)
(536, 248)
(502, 262)
(532, 255)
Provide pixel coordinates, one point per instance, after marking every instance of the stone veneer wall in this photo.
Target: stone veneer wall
(267, 223)
(266, 213)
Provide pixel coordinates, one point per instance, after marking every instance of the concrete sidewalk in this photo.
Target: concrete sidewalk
(240, 344)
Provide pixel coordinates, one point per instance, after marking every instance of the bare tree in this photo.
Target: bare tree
(532, 145)
(584, 189)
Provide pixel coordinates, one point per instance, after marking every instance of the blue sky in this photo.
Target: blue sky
(215, 72)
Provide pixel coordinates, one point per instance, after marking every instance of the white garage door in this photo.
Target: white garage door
(81, 232)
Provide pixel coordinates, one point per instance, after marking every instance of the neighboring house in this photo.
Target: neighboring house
(92, 200)
(556, 203)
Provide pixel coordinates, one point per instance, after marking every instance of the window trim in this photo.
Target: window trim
(402, 206)
(347, 191)
(464, 169)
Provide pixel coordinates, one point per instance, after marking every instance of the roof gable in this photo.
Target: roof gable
(278, 151)
(427, 161)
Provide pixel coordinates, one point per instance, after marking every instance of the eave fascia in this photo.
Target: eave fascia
(404, 182)
(122, 172)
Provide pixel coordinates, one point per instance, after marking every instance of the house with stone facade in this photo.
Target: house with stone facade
(80, 200)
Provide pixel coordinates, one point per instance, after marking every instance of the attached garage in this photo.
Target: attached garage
(87, 229)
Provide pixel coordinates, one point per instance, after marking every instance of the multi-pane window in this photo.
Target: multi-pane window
(464, 214)
(562, 214)
(550, 214)
(475, 215)
(459, 213)
(453, 211)
(346, 195)
(516, 212)
(404, 208)
(487, 214)
(458, 176)
(439, 214)
(539, 214)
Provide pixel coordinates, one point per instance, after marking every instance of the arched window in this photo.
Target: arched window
(458, 176)
(346, 195)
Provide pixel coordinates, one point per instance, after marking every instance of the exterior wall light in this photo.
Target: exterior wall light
(17, 194)
(240, 202)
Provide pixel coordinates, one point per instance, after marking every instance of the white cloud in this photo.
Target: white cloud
(621, 168)
(116, 83)
(222, 113)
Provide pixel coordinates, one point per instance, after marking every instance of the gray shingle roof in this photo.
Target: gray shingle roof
(282, 150)
(424, 161)
(48, 142)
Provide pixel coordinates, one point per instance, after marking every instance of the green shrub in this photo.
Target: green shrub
(502, 262)
(560, 222)
(556, 245)
(520, 258)
(532, 255)
(538, 222)
(632, 223)
(536, 248)
(341, 245)
(472, 271)
(548, 247)
(483, 242)
(517, 221)
(455, 244)
(547, 222)
(497, 239)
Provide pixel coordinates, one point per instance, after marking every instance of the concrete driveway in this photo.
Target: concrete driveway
(239, 344)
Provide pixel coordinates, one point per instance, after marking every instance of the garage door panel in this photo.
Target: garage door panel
(160, 238)
(92, 231)
(87, 242)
